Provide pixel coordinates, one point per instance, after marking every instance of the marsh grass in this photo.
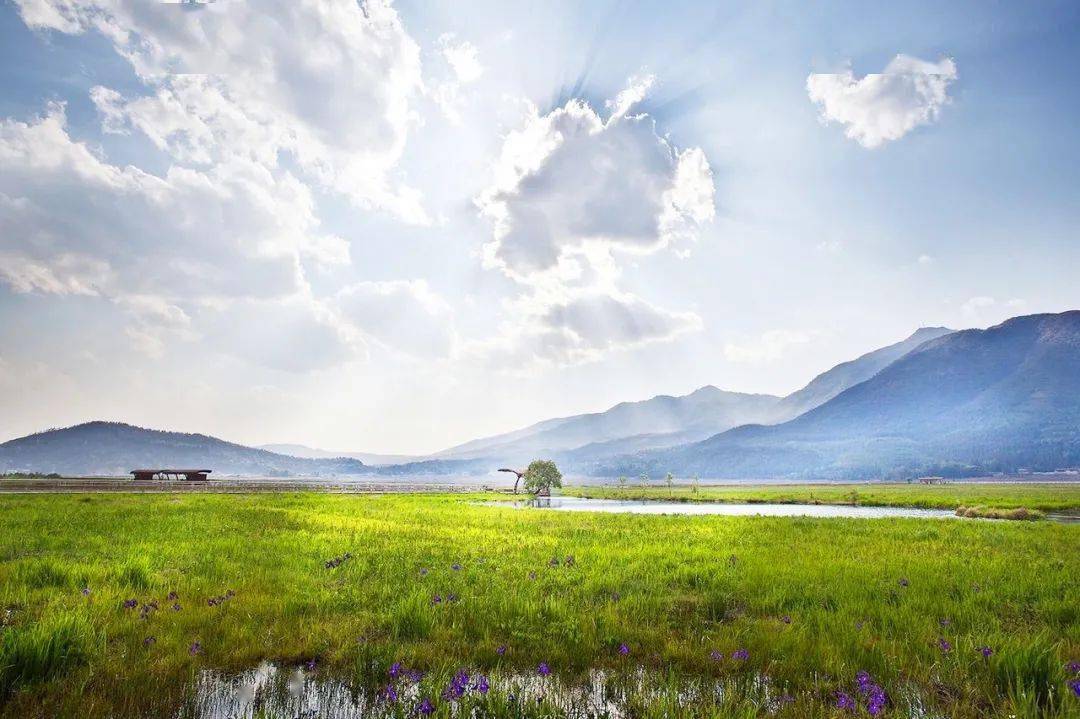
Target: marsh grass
(811, 601)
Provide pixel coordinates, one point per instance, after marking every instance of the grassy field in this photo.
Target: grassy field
(1044, 497)
(796, 607)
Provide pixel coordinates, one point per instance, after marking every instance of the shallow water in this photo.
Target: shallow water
(269, 690)
(625, 506)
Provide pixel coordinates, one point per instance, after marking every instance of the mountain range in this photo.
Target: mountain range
(1002, 399)
(940, 401)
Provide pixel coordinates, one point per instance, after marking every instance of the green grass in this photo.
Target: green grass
(672, 588)
(1043, 497)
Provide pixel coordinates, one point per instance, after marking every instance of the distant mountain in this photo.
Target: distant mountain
(112, 449)
(369, 458)
(848, 374)
(660, 421)
(1001, 399)
(666, 421)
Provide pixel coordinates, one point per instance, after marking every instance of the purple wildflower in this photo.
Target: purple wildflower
(436, 599)
(423, 571)
(149, 641)
(176, 607)
(903, 582)
(195, 648)
(844, 701)
(543, 670)
(426, 707)
(554, 562)
(624, 650)
(859, 624)
(786, 619)
(532, 575)
(863, 681)
(944, 622)
(390, 694)
(716, 655)
(1074, 684)
(501, 650)
(414, 675)
(482, 685)
(310, 665)
(986, 652)
(875, 700)
(451, 597)
(173, 596)
(395, 670)
(944, 645)
(1074, 668)
(131, 603)
(86, 591)
(740, 654)
(569, 560)
(456, 567)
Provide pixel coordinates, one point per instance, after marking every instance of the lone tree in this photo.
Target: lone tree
(540, 476)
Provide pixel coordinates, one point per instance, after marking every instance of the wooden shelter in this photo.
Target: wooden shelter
(190, 475)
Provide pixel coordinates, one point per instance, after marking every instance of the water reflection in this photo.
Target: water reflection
(581, 504)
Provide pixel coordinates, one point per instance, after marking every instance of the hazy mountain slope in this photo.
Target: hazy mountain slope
(699, 414)
(369, 458)
(978, 400)
(848, 374)
(111, 448)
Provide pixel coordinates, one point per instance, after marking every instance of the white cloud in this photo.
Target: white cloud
(328, 82)
(884, 106)
(983, 306)
(573, 195)
(403, 315)
(769, 347)
(926, 260)
(459, 63)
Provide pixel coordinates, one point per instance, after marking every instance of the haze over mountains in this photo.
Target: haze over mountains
(939, 401)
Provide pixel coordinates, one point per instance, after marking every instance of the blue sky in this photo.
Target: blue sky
(397, 227)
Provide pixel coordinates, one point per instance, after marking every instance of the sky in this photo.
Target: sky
(397, 227)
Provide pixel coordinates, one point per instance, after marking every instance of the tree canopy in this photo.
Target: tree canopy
(542, 474)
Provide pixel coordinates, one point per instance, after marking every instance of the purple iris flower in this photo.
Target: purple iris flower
(390, 693)
(456, 567)
(859, 624)
(395, 670)
(740, 654)
(414, 675)
(482, 685)
(436, 599)
(875, 703)
(195, 648)
(1074, 668)
(844, 701)
(451, 598)
(1074, 684)
(785, 619)
(426, 707)
(423, 571)
(532, 575)
(903, 581)
(716, 655)
(86, 591)
(131, 603)
(624, 650)
(554, 561)
(149, 641)
(543, 670)
(986, 652)
(173, 596)
(944, 622)
(176, 607)
(310, 665)
(863, 681)
(944, 645)
(501, 650)
(569, 560)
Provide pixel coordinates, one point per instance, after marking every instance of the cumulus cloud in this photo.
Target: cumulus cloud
(403, 315)
(885, 106)
(574, 194)
(769, 347)
(259, 79)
